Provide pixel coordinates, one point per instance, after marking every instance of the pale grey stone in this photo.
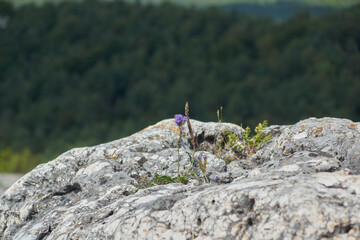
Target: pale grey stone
(302, 184)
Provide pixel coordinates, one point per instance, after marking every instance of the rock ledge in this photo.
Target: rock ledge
(302, 184)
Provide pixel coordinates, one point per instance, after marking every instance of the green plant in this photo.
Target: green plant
(219, 114)
(233, 141)
(202, 161)
(180, 121)
(249, 145)
(250, 142)
(145, 183)
(221, 144)
(164, 179)
(159, 180)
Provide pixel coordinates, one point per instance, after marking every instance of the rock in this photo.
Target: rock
(337, 140)
(302, 184)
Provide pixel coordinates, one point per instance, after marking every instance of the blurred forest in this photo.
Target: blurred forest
(204, 3)
(278, 10)
(77, 74)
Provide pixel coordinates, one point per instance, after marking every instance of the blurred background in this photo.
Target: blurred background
(78, 73)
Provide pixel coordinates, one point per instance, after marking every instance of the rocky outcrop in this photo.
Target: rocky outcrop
(302, 184)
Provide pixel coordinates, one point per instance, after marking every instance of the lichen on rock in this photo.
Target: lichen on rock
(302, 184)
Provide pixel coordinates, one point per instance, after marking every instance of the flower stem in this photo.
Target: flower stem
(179, 142)
(206, 179)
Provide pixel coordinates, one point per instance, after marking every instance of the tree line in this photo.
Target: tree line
(76, 74)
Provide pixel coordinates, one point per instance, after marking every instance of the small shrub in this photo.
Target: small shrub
(164, 179)
(250, 143)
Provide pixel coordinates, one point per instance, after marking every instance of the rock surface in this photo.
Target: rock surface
(302, 184)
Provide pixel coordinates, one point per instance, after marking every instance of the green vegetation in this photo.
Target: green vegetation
(329, 3)
(200, 160)
(20, 161)
(278, 10)
(249, 144)
(80, 74)
(160, 180)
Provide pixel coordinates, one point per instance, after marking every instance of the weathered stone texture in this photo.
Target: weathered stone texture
(302, 184)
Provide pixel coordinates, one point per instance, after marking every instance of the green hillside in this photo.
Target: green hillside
(82, 74)
(330, 3)
(326, 3)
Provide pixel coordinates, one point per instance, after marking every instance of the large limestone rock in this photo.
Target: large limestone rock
(302, 184)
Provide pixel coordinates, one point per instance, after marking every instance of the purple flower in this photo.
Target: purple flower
(180, 119)
(200, 157)
(217, 179)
